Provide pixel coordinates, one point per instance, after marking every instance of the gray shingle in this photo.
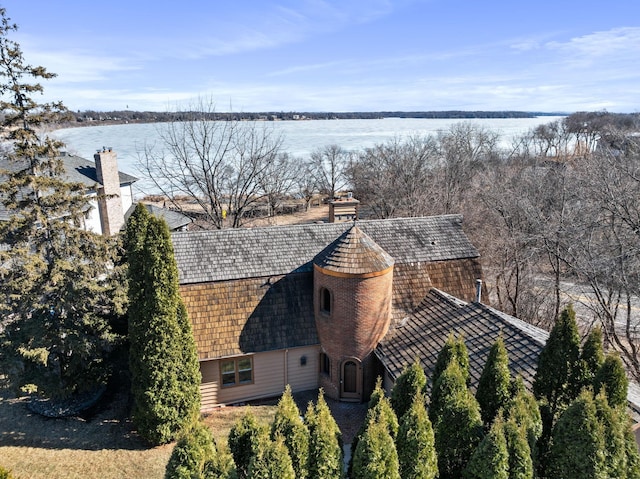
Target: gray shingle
(219, 255)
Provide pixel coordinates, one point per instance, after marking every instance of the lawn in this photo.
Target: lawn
(101, 446)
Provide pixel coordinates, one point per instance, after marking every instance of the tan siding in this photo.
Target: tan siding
(268, 380)
(210, 371)
(301, 378)
(268, 375)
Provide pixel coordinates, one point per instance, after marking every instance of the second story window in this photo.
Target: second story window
(325, 300)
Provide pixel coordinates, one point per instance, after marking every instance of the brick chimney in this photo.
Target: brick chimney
(109, 200)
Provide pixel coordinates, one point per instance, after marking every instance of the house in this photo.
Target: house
(336, 305)
(110, 191)
(307, 305)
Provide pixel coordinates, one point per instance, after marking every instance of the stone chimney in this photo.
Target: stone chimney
(109, 200)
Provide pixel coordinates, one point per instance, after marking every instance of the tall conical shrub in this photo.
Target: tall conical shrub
(416, 443)
(457, 422)
(194, 456)
(375, 456)
(288, 424)
(409, 384)
(163, 358)
(494, 387)
(325, 442)
(490, 460)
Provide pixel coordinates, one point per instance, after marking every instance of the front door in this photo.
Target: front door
(351, 384)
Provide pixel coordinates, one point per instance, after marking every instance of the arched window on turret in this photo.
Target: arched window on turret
(325, 300)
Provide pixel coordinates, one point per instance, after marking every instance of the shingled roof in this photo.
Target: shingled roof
(220, 255)
(353, 253)
(77, 170)
(423, 334)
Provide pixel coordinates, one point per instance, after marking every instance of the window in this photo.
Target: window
(325, 364)
(236, 371)
(325, 300)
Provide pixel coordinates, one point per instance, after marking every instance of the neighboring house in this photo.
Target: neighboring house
(110, 191)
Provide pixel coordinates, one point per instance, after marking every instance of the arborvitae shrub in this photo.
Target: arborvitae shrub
(194, 456)
(416, 443)
(577, 448)
(375, 456)
(591, 359)
(271, 461)
(288, 424)
(612, 377)
(5, 473)
(494, 387)
(325, 442)
(524, 411)
(614, 425)
(245, 437)
(163, 358)
(490, 460)
(410, 383)
(520, 458)
(453, 348)
(457, 422)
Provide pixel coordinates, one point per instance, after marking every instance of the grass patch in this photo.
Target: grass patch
(103, 446)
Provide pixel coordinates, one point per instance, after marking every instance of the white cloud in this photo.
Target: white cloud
(614, 42)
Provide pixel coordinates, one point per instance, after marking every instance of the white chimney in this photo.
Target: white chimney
(109, 199)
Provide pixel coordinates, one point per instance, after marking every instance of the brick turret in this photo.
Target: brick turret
(352, 303)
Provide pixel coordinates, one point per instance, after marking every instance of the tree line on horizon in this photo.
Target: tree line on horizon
(90, 117)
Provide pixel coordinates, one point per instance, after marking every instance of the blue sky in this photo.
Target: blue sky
(343, 55)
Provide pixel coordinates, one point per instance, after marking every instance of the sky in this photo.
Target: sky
(342, 55)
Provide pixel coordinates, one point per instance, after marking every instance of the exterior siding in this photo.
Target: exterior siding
(269, 377)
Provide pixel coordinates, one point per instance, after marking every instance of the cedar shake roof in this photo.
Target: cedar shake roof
(251, 315)
(423, 334)
(221, 255)
(174, 219)
(353, 253)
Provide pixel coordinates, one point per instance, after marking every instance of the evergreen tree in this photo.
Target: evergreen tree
(523, 410)
(410, 383)
(490, 460)
(494, 387)
(453, 348)
(163, 358)
(614, 425)
(245, 438)
(554, 382)
(457, 422)
(577, 449)
(375, 456)
(378, 410)
(288, 424)
(631, 449)
(194, 456)
(57, 285)
(416, 443)
(520, 457)
(612, 377)
(591, 359)
(558, 359)
(325, 442)
(271, 461)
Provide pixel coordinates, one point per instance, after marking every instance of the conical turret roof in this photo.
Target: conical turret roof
(354, 253)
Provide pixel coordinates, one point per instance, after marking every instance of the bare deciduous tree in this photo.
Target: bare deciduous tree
(217, 164)
(327, 165)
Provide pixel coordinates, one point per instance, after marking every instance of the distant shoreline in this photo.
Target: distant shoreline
(93, 118)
